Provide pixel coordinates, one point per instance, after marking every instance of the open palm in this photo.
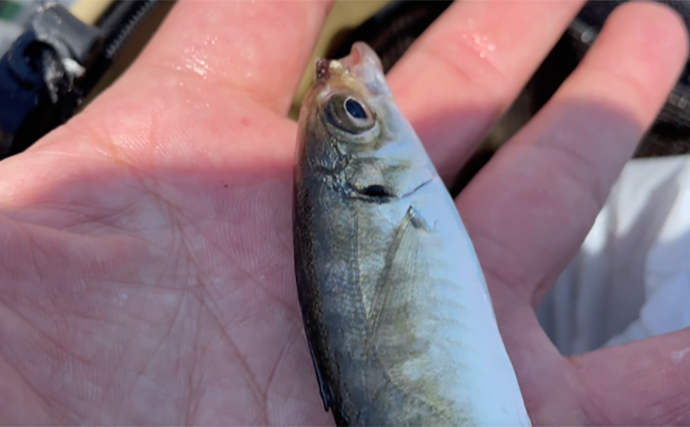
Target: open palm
(146, 272)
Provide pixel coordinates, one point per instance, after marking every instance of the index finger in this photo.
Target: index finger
(258, 48)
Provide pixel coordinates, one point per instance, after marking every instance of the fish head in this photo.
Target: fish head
(351, 129)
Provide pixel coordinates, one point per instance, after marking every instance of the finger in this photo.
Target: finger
(530, 208)
(641, 383)
(464, 72)
(259, 48)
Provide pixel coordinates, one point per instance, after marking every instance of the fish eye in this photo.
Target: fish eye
(349, 114)
(355, 109)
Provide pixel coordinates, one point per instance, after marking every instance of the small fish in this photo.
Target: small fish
(395, 306)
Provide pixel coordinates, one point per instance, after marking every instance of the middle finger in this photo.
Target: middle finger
(464, 72)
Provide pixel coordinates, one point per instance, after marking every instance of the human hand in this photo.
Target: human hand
(147, 272)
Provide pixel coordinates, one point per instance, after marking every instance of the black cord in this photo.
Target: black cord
(120, 21)
(116, 25)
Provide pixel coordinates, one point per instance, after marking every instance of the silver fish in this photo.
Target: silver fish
(395, 306)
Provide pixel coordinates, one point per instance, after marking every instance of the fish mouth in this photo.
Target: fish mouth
(323, 72)
(361, 66)
(362, 57)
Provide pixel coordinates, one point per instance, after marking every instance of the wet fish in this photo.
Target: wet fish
(395, 306)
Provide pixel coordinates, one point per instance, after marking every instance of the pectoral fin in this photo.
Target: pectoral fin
(399, 283)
